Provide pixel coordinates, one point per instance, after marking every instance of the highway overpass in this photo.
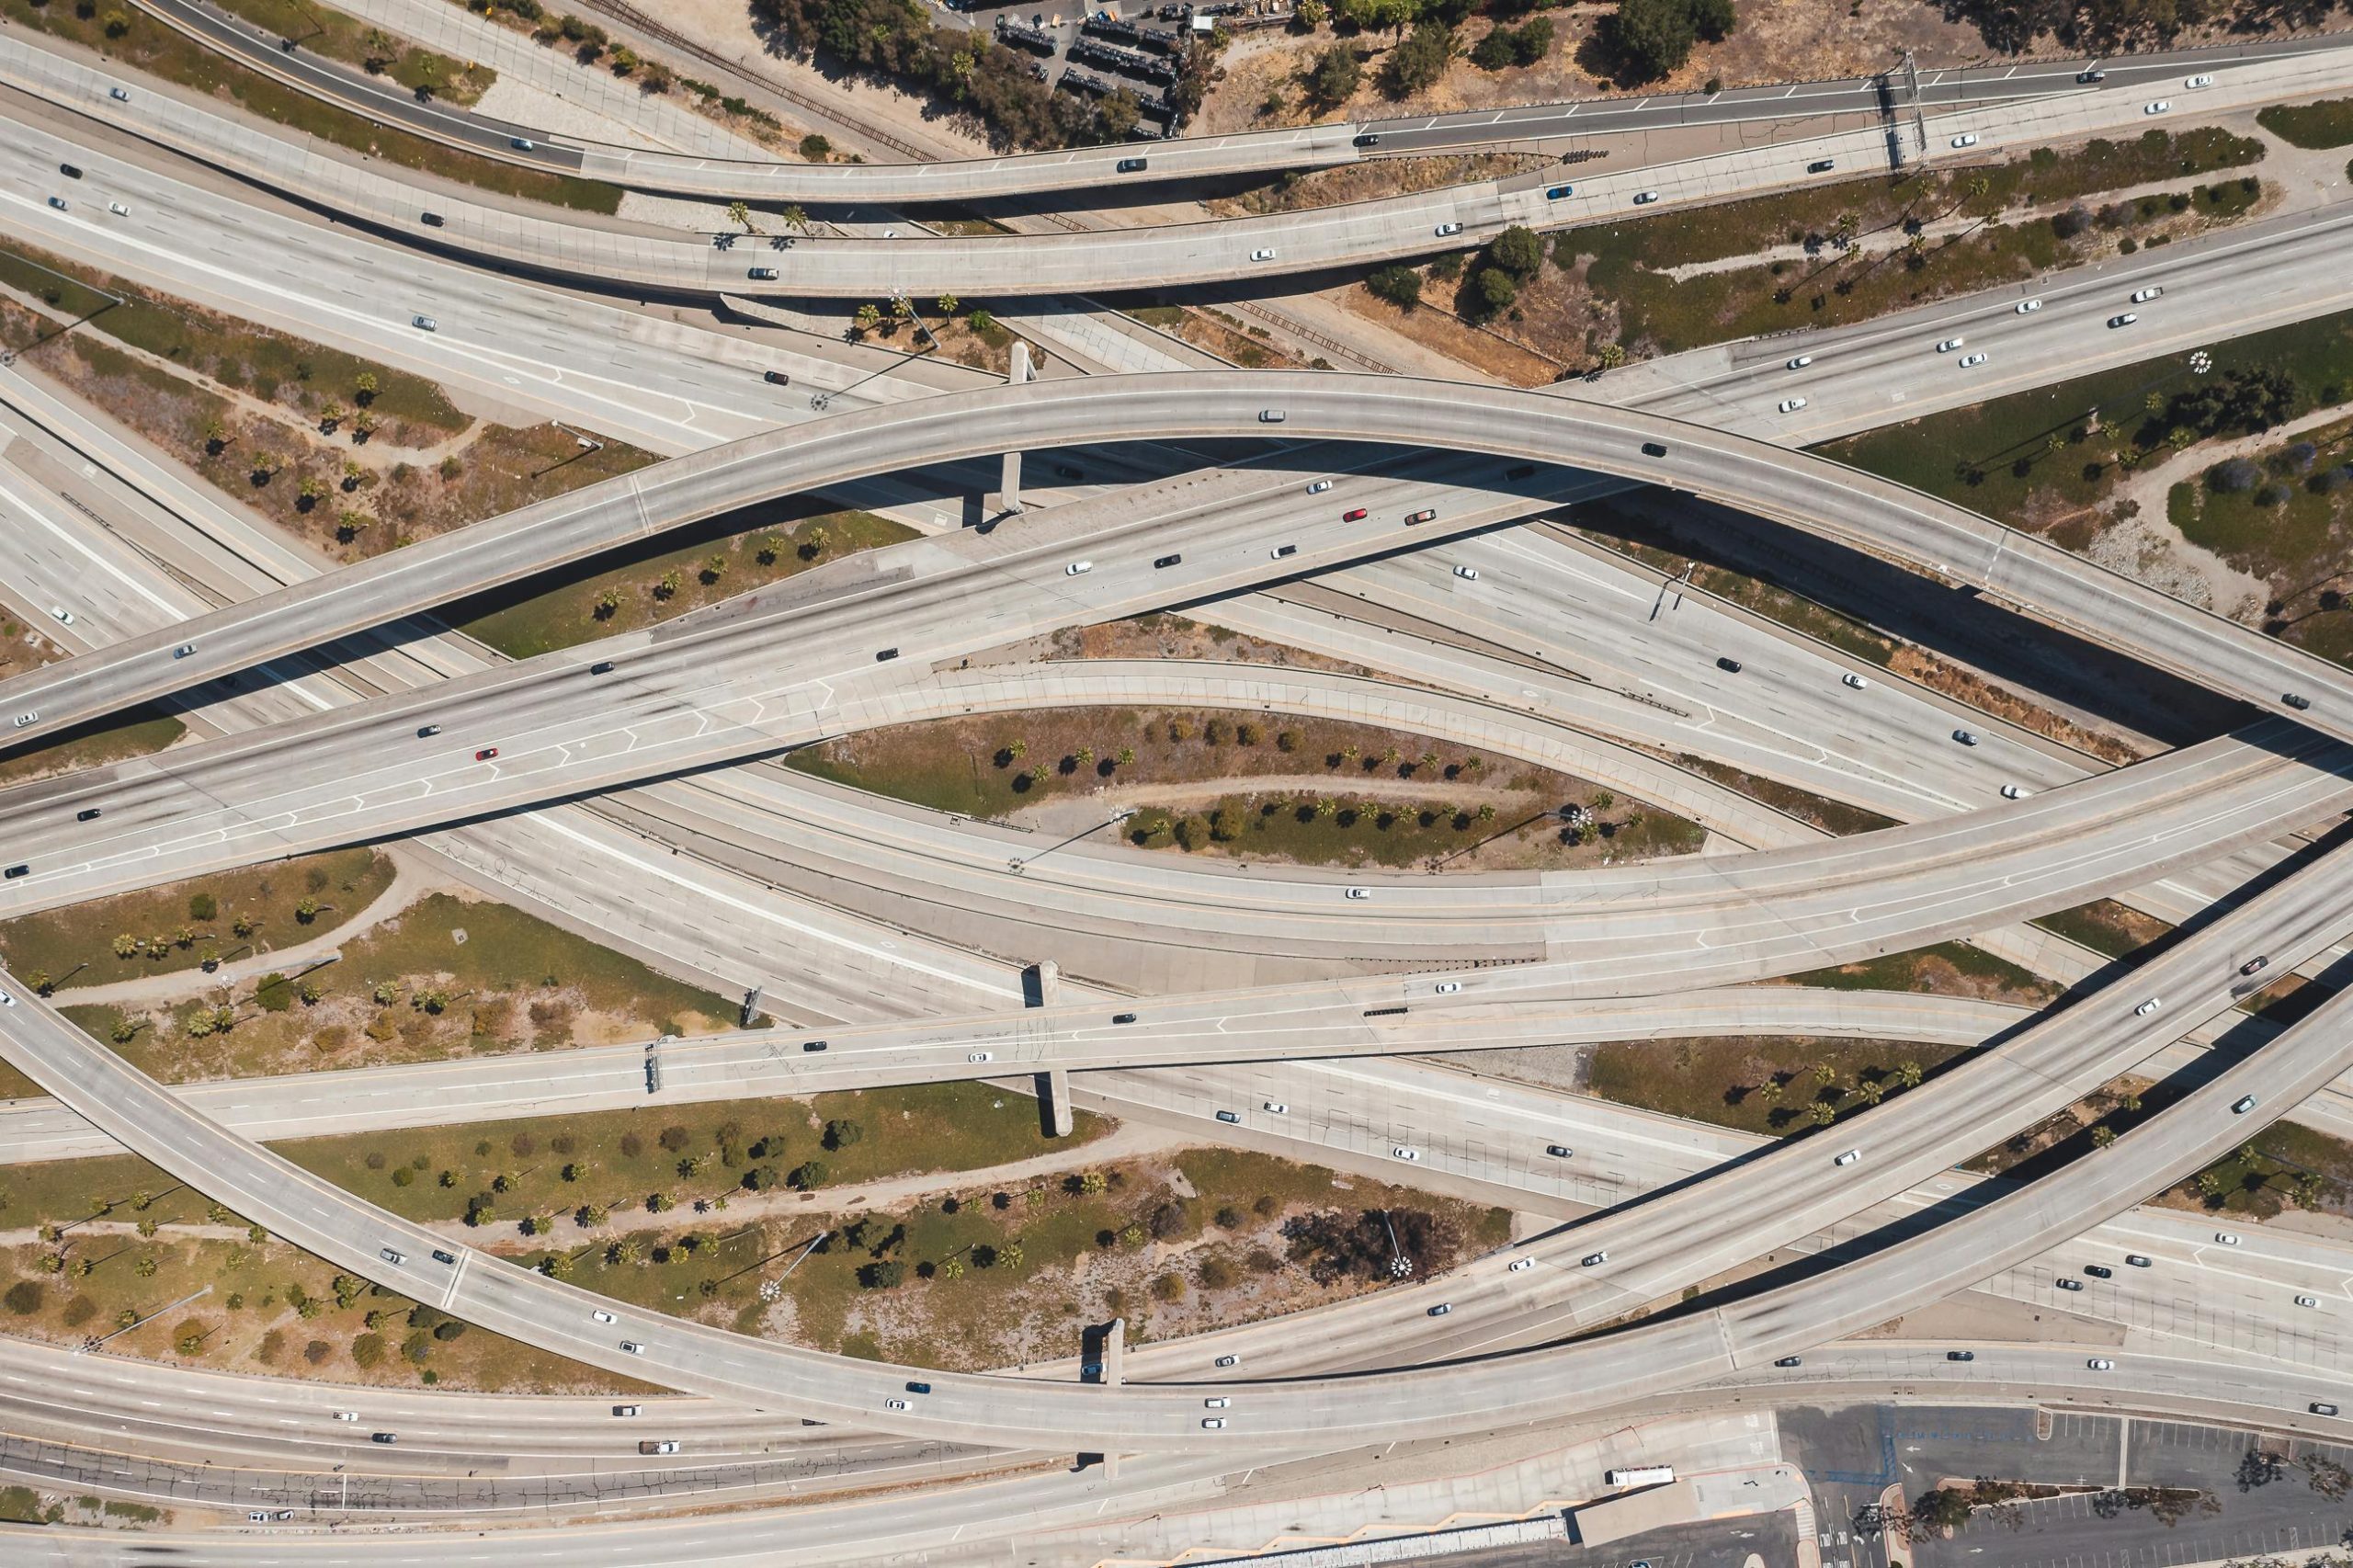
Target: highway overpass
(1222, 251)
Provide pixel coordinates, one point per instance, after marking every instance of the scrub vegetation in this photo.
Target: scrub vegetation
(1327, 794)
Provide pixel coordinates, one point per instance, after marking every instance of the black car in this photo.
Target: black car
(919, 1388)
(808, 1045)
(2099, 1271)
(601, 667)
(886, 656)
(1730, 666)
(1559, 1150)
(1961, 1355)
(1123, 1017)
(1067, 472)
(428, 729)
(777, 377)
(1653, 450)
(433, 221)
(448, 1257)
(1791, 1361)
(90, 815)
(1130, 166)
(2296, 701)
(69, 171)
(15, 871)
(1368, 140)
(384, 1437)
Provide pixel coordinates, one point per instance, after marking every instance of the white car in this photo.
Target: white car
(1791, 404)
(2143, 296)
(1446, 229)
(2225, 1238)
(1358, 892)
(2243, 1105)
(603, 1316)
(1218, 1402)
(118, 209)
(1968, 139)
(1644, 197)
(1226, 1361)
(982, 1056)
(1447, 987)
(2100, 1364)
(2308, 1300)
(1404, 1153)
(1848, 1158)
(2127, 319)
(1468, 573)
(623, 1411)
(2199, 81)
(1950, 344)
(1078, 569)
(119, 95)
(1800, 362)
(894, 1405)
(2158, 107)
(1519, 1266)
(425, 323)
(2015, 792)
(2028, 307)
(1213, 1423)
(1274, 1108)
(1320, 486)
(1265, 253)
(1851, 678)
(6, 1000)
(2147, 1007)
(347, 1416)
(1970, 360)
(62, 613)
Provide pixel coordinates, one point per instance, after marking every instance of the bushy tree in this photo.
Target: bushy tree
(1402, 287)
(1653, 38)
(1418, 61)
(1518, 252)
(1334, 77)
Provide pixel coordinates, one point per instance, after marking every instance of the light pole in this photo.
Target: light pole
(1017, 864)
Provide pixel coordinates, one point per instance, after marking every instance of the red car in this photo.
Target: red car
(1355, 516)
(485, 754)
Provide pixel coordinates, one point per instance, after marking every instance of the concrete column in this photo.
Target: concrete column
(1053, 1084)
(1114, 1350)
(1009, 484)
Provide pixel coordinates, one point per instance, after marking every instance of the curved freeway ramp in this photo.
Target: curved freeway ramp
(1806, 492)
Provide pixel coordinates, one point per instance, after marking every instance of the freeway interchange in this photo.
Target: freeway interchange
(332, 708)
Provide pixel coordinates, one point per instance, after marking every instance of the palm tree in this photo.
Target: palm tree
(794, 218)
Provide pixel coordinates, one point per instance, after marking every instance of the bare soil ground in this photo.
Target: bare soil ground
(1784, 41)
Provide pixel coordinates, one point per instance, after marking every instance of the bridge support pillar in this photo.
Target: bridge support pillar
(1114, 1350)
(1053, 1084)
(1009, 483)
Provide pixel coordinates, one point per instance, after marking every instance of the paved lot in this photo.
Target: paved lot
(1851, 1453)
(1771, 1540)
